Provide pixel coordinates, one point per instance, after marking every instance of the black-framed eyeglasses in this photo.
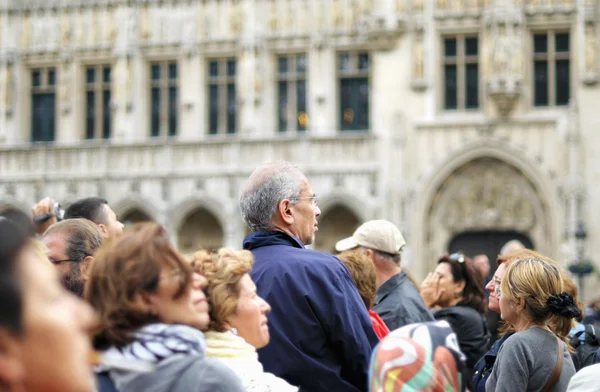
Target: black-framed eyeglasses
(64, 261)
(56, 262)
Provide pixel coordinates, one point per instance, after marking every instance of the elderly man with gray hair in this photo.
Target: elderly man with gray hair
(321, 333)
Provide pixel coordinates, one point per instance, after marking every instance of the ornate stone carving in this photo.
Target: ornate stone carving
(486, 194)
(503, 64)
(9, 88)
(235, 18)
(591, 55)
(418, 65)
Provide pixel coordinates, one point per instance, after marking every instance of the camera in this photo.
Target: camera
(57, 212)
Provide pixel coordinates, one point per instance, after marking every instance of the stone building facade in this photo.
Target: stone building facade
(465, 122)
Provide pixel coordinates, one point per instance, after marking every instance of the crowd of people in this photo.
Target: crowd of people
(88, 306)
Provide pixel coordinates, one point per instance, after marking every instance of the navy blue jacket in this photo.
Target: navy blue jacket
(321, 333)
(484, 366)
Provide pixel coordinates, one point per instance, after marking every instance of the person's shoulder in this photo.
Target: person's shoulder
(209, 374)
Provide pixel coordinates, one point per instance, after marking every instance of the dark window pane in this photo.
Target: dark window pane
(106, 120)
(450, 47)
(283, 106)
(90, 123)
(563, 92)
(213, 109)
(90, 75)
(540, 43)
(36, 79)
(363, 62)
(354, 104)
(344, 62)
(155, 126)
(282, 65)
(301, 63)
(172, 111)
(562, 42)
(471, 46)
(231, 108)
(213, 69)
(346, 100)
(230, 67)
(43, 117)
(155, 71)
(472, 87)
(51, 77)
(106, 74)
(301, 115)
(450, 85)
(173, 71)
(540, 84)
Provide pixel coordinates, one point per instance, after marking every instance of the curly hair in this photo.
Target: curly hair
(224, 270)
(123, 267)
(362, 271)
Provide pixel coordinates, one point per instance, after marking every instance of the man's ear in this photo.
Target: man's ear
(85, 266)
(12, 370)
(103, 229)
(285, 211)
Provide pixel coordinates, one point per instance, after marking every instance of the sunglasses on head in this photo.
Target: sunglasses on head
(458, 257)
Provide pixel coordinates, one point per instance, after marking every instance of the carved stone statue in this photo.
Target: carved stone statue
(501, 55)
(418, 57)
(9, 86)
(26, 31)
(66, 31)
(590, 49)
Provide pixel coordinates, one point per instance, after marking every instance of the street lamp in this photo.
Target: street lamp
(581, 267)
(580, 236)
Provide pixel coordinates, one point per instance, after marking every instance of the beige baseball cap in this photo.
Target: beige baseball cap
(381, 235)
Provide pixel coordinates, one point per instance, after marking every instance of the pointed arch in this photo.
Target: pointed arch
(545, 235)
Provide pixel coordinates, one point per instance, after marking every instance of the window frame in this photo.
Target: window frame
(551, 57)
(460, 60)
(100, 88)
(291, 78)
(354, 72)
(223, 81)
(164, 83)
(44, 88)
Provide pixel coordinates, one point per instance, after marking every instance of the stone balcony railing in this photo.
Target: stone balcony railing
(166, 158)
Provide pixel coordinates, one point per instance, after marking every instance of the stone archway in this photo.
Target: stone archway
(133, 216)
(336, 223)
(200, 229)
(484, 194)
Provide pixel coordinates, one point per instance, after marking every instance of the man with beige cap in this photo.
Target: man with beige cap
(398, 302)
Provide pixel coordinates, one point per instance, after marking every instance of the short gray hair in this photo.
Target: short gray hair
(83, 237)
(266, 187)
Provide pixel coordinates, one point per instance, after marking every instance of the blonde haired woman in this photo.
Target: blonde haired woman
(533, 302)
(238, 318)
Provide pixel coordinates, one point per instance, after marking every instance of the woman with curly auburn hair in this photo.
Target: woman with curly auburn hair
(238, 317)
(362, 271)
(534, 302)
(151, 310)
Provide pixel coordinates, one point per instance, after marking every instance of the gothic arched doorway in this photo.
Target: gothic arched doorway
(200, 230)
(134, 216)
(485, 195)
(487, 242)
(337, 223)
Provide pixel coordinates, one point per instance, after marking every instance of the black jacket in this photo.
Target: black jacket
(472, 332)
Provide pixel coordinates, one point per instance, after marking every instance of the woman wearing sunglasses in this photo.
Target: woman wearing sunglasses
(455, 290)
(152, 309)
